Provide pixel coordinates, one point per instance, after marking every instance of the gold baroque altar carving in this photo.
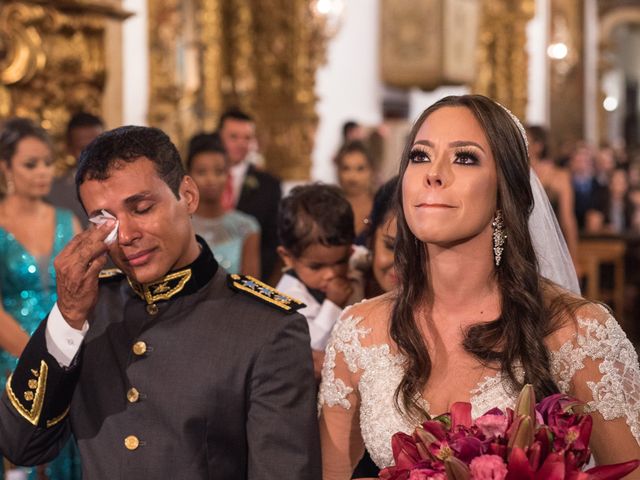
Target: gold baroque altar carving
(259, 55)
(501, 56)
(422, 47)
(567, 76)
(52, 59)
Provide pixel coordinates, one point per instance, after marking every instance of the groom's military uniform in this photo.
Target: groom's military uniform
(200, 375)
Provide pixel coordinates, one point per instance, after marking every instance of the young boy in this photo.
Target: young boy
(316, 232)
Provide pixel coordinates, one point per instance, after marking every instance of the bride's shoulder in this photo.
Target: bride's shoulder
(371, 308)
(576, 319)
(372, 314)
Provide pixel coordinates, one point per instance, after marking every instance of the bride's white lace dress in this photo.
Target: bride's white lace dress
(361, 373)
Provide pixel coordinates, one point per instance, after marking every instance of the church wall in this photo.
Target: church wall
(348, 85)
(135, 64)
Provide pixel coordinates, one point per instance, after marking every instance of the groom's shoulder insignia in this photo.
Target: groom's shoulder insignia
(263, 292)
(110, 274)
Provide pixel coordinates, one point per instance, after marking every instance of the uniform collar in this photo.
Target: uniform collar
(180, 282)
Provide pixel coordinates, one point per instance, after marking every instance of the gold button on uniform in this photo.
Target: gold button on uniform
(139, 348)
(133, 395)
(131, 442)
(152, 309)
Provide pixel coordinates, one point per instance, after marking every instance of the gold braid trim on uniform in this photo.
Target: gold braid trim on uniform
(59, 418)
(160, 289)
(109, 273)
(255, 287)
(31, 415)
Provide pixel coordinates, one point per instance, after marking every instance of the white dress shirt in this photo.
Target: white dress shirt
(320, 316)
(238, 173)
(63, 341)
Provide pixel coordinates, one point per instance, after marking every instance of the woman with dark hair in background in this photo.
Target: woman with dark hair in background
(475, 317)
(356, 178)
(613, 209)
(32, 232)
(381, 239)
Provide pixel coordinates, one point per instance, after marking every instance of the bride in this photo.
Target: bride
(475, 316)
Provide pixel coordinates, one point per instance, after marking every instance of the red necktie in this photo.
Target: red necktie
(227, 194)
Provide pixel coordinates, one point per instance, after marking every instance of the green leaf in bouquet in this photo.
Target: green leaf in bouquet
(444, 419)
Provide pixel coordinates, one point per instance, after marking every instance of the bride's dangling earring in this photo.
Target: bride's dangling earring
(499, 237)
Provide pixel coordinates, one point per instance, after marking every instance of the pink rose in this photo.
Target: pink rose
(426, 474)
(488, 467)
(492, 425)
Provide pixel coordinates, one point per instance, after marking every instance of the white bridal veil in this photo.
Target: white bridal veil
(554, 260)
(551, 249)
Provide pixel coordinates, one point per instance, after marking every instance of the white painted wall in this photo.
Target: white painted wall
(348, 86)
(538, 82)
(136, 64)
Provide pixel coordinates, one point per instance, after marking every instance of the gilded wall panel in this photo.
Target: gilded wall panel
(567, 75)
(421, 45)
(501, 56)
(52, 60)
(258, 55)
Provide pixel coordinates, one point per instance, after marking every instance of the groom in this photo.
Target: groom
(169, 368)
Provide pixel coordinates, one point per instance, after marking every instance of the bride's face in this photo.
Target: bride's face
(449, 189)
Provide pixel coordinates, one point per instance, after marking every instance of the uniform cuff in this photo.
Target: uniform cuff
(63, 341)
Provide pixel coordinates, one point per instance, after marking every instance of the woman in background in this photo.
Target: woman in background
(233, 236)
(32, 232)
(613, 210)
(557, 184)
(381, 238)
(356, 178)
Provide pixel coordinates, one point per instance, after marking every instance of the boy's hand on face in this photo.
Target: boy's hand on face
(339, 291)
(77, 267)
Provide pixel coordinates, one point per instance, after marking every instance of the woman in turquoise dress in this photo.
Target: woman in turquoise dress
(233, 236)
(32, 232)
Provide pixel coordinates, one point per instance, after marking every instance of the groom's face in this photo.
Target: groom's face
(154, 233)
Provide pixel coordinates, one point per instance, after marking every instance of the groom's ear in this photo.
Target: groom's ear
(190, 194)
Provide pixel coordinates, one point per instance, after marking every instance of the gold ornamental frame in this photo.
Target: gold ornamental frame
(258, 55)
(52, 59)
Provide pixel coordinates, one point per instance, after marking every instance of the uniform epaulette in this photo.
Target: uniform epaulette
(110, 274)
(264, 292)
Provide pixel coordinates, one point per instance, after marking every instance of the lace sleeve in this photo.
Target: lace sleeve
(339, 401)
(599, 366)
(345, 339)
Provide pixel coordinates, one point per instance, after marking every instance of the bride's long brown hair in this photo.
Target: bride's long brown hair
(516, 337)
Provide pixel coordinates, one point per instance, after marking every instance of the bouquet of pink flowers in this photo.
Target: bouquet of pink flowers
(547, 441)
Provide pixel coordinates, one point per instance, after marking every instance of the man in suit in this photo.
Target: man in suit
(587, 190)
(81, 130)
(252, 191)
(168, 368)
